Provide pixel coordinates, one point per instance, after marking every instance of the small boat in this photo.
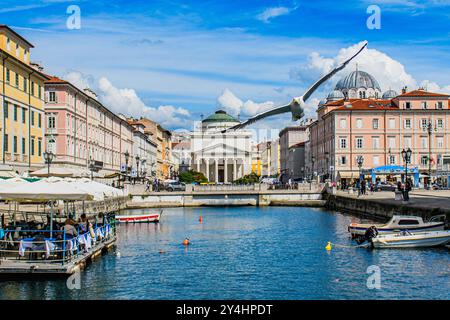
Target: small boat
(139, 218)
(399, 223)
(406, 239)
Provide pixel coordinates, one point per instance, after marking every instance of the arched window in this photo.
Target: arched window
(52, 146)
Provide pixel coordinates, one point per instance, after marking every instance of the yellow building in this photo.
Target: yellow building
(22, 119)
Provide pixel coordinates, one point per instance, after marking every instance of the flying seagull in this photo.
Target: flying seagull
(297, 104)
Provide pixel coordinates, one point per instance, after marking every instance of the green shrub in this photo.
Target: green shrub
(192, 176)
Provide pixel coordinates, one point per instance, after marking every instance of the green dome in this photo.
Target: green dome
(220, 116)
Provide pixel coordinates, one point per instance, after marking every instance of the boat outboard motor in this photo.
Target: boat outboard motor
(370, 233)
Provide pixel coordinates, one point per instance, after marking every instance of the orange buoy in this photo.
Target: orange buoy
(200, 219)
(186, 242)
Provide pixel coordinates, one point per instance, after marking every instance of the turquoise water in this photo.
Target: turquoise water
(247, 253)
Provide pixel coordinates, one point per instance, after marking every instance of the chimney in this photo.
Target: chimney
(404, 89)
(37, 66)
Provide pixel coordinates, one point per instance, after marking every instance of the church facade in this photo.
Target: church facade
(221, 157)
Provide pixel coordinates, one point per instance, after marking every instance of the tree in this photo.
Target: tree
(247, 179)
(192, 176)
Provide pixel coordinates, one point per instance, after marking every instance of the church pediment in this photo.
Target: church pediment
(221, 148)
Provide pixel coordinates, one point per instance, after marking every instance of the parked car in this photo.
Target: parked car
(176, 186)
(386, 186)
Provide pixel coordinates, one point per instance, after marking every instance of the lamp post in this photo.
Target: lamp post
(429, 128)
(360, 161)
(406, 155)
(48, 157)
(91, 167)
(127, 157)
(137, 167)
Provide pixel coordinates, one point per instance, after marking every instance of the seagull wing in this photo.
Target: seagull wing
(313, 88)
(272, 112)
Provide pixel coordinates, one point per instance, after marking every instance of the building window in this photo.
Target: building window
(8, 44)
(407, 123)
(376, 160)
(391, 141)
(32, 118)
(424, 123)
(17, 80)
(423, 142)
(39, 147)
(32, 88)
(51, 121)
(52, 146)
(39, 92)
(343, 160)
(424, 105)
(391, 160)
(375, 123)
(440, 123)
(8, 75)
(359, 142)
(440, 142)
(376, 142)
(391, 123)
(25, 84)
(39, 120)
(15, 112)
(17, 49)
(52, 96)
(440, 105)
(5, 110)
(343, 123)
(359, 123)
(5, 143)
(23, 146)
(424, 160)
(343, 143)
(15, 144)
(408, 143)
(32, 145)
(24, 112)
(407, 105)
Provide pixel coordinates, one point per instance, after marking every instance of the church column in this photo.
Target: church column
(207, 168)
(234, 170)
(198, 165)
(225, 171)
(216, 170)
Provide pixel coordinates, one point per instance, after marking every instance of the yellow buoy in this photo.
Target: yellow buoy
(328, 247)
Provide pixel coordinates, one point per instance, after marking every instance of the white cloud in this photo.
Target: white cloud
(127, 102)
(236, 106)
(434, 87)
(270, 13)
(388, 72)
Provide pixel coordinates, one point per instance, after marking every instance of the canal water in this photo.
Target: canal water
(247, 253)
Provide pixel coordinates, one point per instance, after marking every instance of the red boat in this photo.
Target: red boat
(139, 218)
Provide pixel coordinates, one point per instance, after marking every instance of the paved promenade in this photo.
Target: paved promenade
(418, 198)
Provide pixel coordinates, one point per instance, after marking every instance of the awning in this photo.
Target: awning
(348, 174)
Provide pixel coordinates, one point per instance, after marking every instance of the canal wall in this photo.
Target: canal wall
(230, 198)
(379, 209)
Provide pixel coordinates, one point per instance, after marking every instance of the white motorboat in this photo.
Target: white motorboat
(139, 218)
(406, 239)
(399, 223)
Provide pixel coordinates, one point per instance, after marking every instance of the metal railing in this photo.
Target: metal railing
(52, 246)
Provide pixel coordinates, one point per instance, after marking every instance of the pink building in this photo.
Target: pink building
(354, 121)
(79, 129)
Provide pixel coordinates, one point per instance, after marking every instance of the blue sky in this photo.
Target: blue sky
(180, 59)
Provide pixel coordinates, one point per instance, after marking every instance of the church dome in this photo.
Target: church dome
(357, 79)
(220, 116)
(335, 95)
(390, 94)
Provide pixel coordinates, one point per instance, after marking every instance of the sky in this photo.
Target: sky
(178, 61)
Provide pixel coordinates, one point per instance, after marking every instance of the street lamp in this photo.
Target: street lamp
(48, 157)
(137, 167)
(127, 157)
(360, 161)
(406, 155)
(428, 128)
(91, 167)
